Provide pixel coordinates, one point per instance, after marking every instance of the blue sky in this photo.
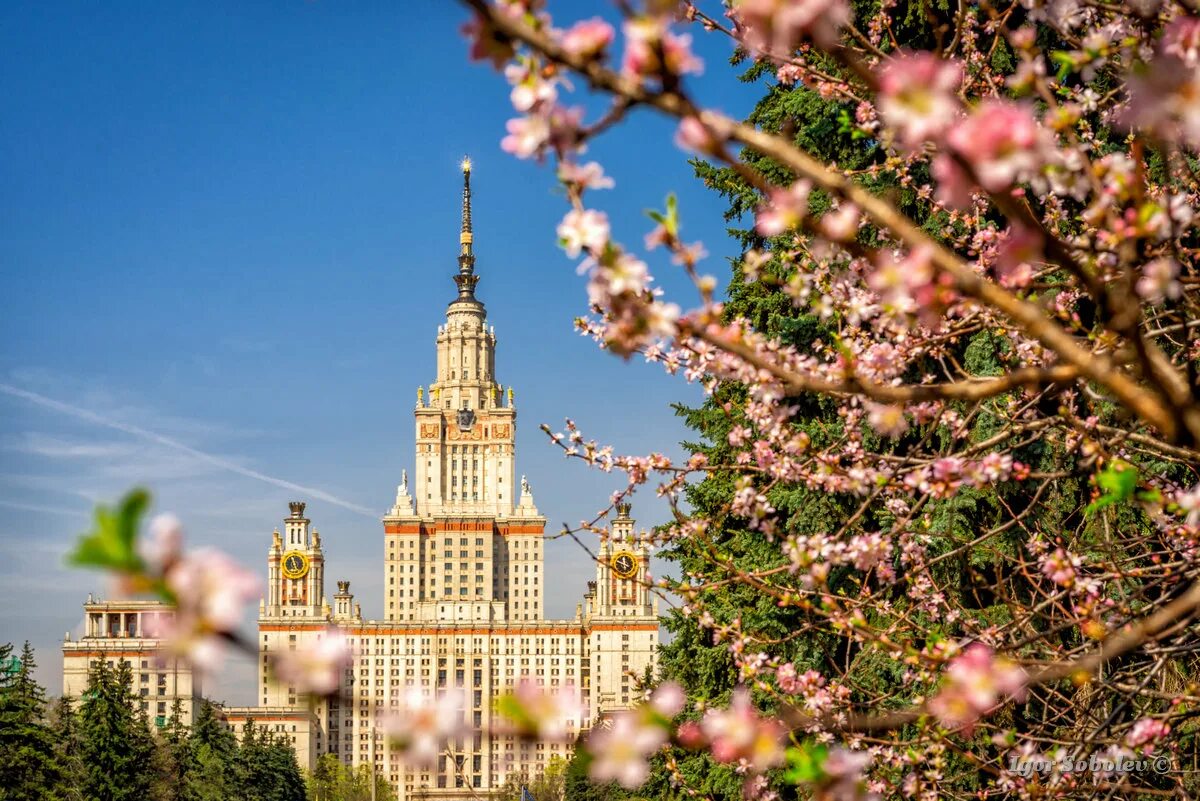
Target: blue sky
(226, 238)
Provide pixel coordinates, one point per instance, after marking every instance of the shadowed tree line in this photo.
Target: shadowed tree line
(104, 748)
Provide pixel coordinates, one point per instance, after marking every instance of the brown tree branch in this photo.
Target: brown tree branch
(1100, 369)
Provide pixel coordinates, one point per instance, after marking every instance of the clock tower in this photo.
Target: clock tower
(622, 571)
(296, 569)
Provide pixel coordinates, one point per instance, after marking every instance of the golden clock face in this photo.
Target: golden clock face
(624, 564)
(295, 565)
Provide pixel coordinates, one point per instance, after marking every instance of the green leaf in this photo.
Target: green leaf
(1118, 481)
(670, 219)
(806, 763)
(112, 542)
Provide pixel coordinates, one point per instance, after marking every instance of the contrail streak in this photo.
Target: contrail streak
(151, 436)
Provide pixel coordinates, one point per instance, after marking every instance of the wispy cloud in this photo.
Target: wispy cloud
(160, 439)
(50, 510)
(57, 448)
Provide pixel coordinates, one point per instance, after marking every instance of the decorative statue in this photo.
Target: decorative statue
(420, 396)
(495, 394)
(524, 481)
(434, 394)
(510, 396)
(403, 482)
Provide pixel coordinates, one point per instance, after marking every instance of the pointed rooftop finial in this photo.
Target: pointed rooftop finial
(466, 278)
(464, 238)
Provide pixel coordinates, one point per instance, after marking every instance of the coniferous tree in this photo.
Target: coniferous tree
(64, 730)
(29, 767)
(213, 773)
(175, 756)
(287, 781)
(113, 737)
(253, 764)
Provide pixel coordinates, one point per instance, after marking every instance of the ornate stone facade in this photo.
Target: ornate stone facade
(464, 583)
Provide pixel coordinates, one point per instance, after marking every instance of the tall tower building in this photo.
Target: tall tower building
(463, 590)
(464, 541)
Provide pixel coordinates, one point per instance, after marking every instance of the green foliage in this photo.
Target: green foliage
(1117, 481)
(113, 747)
(549, 785)
(805, 763)
(30, 767)
(112, 542)
(330, 780)
(111, 545)
(109, 751)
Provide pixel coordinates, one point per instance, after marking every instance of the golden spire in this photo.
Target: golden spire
(464, 237)
(466, 278)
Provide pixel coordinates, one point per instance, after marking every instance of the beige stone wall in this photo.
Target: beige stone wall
(118, 631)
(298, 727)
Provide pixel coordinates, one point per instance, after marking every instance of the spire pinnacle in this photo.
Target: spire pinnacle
(466, 278)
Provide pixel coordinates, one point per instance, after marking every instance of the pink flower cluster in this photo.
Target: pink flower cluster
(210, 592)
(976, 682)
(944, 476)
(777, 27)
(646, 38)
(1145, 733)
(621, 746)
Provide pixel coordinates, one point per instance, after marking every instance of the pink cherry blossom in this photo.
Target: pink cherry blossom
(1158, 280)
(164, 545)
(784, 210)
(620, 748)
(843, 778)
(1163, 101)
(587, 38)
(584, 176)
(551, 715)
(419, 728)
(887, 419)
(612, 277)
(526, 135)
(668, 699)
(954, 187)
(841, 224)
(1145, 732)
(583, 229)
(211, 593)
(644, 37)
(530, 89)
(1181, 39)
(776, 27)
(976, 682)
(694, 135)
(485, 44)
(546, 126)
(1061, 567)
(1019, 249)
(785, 678)
(315, 666)
(917, 96)
(1001, 141)
(740, 733)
